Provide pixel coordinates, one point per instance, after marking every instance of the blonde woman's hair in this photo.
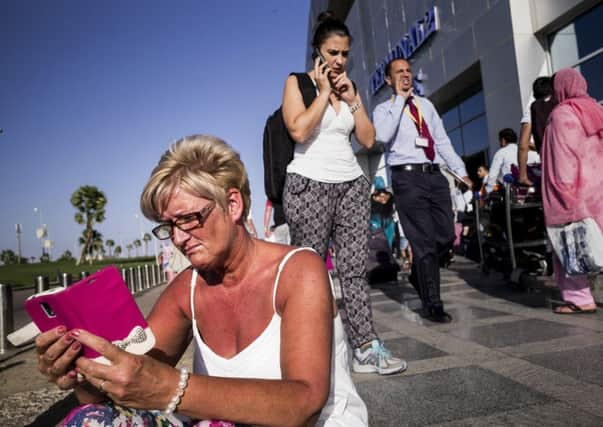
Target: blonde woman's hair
(201, 165)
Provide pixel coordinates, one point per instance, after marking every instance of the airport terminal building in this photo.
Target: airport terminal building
(475, 59)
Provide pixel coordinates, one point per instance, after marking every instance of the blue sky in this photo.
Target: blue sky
(92, 92)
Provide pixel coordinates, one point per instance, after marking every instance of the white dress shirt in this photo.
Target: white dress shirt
(502, 161)
(399, 132)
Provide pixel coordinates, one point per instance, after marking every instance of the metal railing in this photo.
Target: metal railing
(6, 316)
(139, 279)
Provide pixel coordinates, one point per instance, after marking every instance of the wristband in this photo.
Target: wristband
(182, 383)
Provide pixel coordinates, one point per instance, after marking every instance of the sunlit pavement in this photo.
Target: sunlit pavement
(505, 359)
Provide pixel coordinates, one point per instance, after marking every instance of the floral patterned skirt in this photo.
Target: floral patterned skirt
(110, 414)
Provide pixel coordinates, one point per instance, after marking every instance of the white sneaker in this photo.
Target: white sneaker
(376, 358)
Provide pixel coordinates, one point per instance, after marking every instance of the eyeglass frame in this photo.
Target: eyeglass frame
(200, 215)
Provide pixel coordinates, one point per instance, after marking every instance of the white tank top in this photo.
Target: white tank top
(327, 155)
(261, 359)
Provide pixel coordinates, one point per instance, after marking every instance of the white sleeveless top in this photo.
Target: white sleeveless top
(261, 359)
(327, 155)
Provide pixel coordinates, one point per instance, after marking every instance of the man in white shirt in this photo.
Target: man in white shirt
(416, 147)
(482, 173)
(505, 157)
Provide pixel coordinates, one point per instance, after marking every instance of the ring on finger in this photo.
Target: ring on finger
(48, 358)
(100, 386)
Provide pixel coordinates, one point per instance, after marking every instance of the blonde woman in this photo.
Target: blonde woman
(269, 345)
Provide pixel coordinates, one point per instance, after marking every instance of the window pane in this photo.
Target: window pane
(589, 31)
(564, 51)
(473, 106)
(591, 70)
(475, 136)
(457, 141)
(578, 39)
(451, 118)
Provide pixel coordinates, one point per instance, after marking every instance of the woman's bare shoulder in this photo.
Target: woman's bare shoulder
(276, 253)
(301, 272)
(177, 291)
(299, 265)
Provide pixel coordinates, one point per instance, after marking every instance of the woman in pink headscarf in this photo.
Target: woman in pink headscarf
(572, 181)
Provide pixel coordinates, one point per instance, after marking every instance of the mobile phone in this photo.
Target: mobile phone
(101, 304)
(317, 54)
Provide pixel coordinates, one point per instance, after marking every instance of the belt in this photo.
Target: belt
(417, 167)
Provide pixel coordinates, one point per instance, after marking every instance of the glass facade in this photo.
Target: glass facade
(467, 128)
(580, 45)
(466, 125)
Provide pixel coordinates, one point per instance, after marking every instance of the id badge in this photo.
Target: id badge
(421, 141)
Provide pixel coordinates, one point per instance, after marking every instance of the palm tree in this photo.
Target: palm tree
(98, 249)
(95, 246)
(109, 243)
(146, 239)
(90, 204)
(129, 248)
(8, 256)
(117, 251)
(137, 244)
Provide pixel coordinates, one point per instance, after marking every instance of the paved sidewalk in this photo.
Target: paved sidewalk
(506, 359)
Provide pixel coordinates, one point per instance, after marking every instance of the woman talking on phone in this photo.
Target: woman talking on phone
(326, 194)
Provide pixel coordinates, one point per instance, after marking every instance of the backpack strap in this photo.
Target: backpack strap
(306, 87)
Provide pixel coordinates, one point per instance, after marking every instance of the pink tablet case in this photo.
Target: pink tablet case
(101, 304)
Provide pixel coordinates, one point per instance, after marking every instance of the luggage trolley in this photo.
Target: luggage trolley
(511, 234)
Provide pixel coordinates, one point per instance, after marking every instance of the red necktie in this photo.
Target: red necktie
(423, 129)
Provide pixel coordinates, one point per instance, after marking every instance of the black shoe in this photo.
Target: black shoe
(438, 315)
(425, 313)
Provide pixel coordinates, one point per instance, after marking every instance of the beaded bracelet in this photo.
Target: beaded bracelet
(354, 107)
(182, 383)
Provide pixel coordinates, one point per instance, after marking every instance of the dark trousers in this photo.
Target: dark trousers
(425, 210)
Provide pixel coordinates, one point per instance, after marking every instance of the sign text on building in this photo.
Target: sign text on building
(418, 33)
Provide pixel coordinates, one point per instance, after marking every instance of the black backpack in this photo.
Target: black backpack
(278, 144)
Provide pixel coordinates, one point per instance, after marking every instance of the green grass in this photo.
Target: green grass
(20, 275)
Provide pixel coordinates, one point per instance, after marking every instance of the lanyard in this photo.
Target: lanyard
(419, 119)
(419, 122)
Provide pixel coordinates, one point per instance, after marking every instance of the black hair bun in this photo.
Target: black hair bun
(325, 16)
(328, 24)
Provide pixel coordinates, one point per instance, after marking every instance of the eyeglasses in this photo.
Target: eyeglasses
(187, 222)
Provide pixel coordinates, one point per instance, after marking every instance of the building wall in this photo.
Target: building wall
(548, 15)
